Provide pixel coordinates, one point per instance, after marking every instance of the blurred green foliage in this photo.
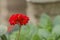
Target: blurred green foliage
(46, 30)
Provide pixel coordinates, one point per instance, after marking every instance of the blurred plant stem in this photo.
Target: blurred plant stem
(18, 35)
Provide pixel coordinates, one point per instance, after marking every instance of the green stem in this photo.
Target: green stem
(19, 33)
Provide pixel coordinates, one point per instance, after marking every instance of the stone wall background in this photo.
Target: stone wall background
(17, 6)
(33, 8)
(9, 7)
(43, 1)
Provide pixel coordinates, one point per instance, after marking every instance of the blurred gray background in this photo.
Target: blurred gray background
(32, 8)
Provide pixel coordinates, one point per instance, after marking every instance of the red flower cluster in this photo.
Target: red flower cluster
(18, 19)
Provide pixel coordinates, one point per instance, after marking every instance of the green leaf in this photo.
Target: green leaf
(36, 37)
(51, 37)
(3, 29)
(59, 38)
(45, 21)
(56, 30)
(3, 37)
(25, 30)
(13, 35)
(28, 31)
(56, 20)
(43, 33)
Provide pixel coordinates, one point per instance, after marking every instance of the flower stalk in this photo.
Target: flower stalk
(19, 33)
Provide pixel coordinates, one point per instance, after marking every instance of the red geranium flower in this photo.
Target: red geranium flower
(18, 19)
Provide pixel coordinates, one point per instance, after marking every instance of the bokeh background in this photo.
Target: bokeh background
(32, 8)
